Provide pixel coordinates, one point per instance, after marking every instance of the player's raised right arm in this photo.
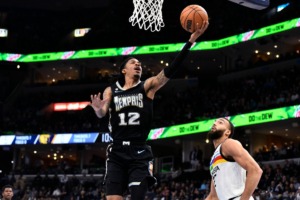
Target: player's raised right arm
(99, 105)
(156, 82)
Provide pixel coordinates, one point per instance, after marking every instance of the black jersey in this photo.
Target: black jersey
(131, 113)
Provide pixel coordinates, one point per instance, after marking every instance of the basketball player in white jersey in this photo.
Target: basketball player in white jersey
(235, 174)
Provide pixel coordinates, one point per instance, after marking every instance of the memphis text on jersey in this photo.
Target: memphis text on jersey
(128, 100)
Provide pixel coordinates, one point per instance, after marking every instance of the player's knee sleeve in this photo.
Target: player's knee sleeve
(138, 192)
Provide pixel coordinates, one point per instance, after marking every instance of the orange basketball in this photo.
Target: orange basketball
(191, 15)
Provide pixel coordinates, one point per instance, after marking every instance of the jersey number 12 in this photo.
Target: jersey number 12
(132, 117)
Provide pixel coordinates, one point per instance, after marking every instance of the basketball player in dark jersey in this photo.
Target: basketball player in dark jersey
(129, 102)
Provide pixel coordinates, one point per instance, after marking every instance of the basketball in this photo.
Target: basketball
(191, 15)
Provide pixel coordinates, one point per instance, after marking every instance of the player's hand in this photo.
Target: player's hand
(199, 31)
(97, 103)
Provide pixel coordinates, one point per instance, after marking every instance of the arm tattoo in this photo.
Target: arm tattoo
(161, 78)
(155, 82)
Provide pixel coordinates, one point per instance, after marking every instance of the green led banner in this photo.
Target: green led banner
(247, 119)
(238, 120)
(152, 49)
(250, 35)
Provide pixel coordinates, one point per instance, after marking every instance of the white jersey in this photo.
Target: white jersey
(228, 176)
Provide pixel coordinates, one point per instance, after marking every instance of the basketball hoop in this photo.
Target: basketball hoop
(147, 14)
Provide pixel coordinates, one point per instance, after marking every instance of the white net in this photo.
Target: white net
(147, 14)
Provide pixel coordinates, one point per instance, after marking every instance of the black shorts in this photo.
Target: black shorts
(127, 165)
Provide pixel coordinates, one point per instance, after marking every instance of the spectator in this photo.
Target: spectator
(298, 194)
(7, 192)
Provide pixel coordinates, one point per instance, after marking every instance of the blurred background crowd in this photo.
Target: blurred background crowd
(244, 82)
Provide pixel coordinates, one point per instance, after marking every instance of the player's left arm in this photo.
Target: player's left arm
(153, 84)
(234, 149)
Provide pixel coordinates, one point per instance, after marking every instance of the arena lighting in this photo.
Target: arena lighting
(282, 6)
(80, 32)
(70, 106)
(238, 120)
(3, 32)
(152, 49)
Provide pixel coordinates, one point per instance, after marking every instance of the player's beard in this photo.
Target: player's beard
(214, 135)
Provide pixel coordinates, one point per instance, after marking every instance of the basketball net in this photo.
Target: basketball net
(147, 14)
